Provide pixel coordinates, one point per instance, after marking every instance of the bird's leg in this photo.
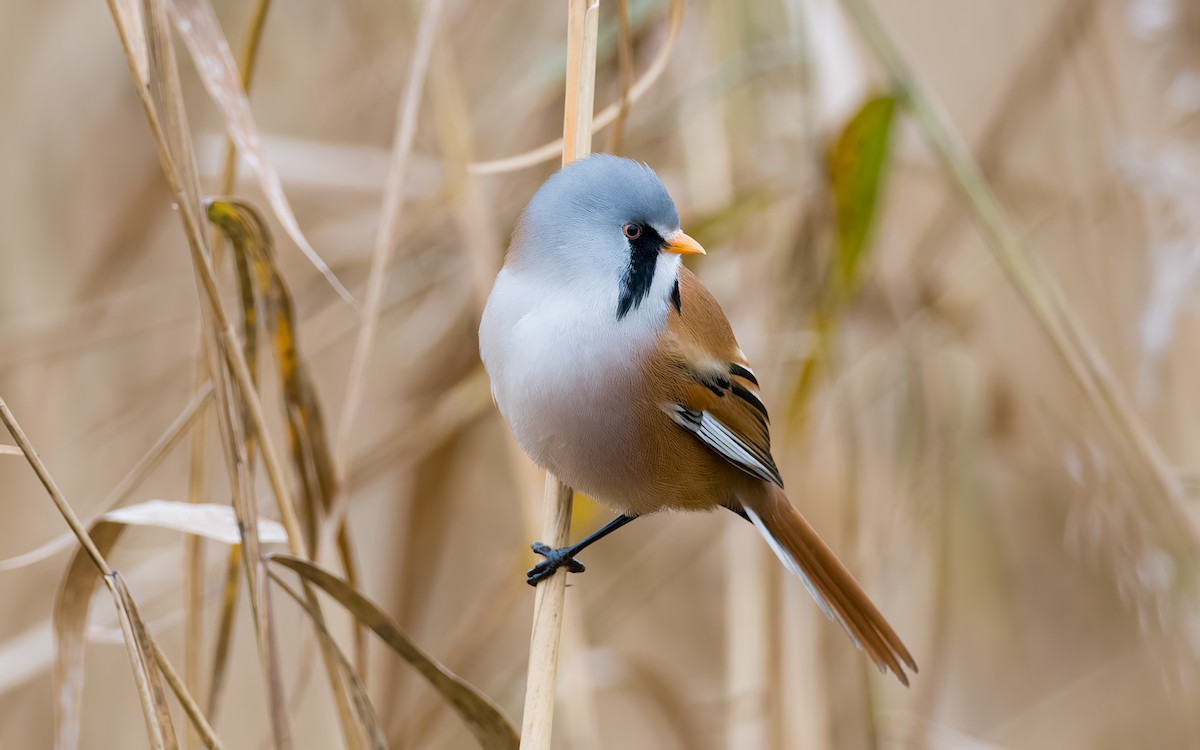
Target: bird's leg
(565, 556)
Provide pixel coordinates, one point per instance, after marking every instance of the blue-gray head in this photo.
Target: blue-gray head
(602, 220)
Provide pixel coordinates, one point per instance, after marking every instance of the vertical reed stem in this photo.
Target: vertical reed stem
(582, 26)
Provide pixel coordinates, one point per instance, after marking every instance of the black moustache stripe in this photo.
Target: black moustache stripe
(639, 275)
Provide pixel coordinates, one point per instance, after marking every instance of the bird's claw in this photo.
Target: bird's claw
(555, 559)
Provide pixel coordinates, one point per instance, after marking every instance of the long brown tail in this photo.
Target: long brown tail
(803, 552)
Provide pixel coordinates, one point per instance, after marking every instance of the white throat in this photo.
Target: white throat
(559, 359)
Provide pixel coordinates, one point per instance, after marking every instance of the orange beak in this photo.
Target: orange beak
(681, 244)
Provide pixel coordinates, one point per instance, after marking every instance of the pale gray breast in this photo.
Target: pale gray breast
(564, 373)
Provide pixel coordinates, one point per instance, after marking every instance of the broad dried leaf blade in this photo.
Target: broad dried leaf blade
(311, 458)
(73, 604)
(485, 720)
(70, 617)
(206, 42)
(132, 26)
(159, 726)
(211, 521)
(358, 692)
(220, 663)
(281, 727)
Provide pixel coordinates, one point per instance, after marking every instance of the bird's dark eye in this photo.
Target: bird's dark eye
(633, 231)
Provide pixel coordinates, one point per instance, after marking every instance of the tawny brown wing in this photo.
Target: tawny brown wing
(716, 396)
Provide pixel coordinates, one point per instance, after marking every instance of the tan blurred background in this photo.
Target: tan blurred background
(1043, 581)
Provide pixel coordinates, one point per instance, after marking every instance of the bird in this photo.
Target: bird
(618, 372)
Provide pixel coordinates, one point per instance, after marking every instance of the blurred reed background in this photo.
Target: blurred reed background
(1003, 451)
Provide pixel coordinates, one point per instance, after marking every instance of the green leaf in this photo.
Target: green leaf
(856, 166)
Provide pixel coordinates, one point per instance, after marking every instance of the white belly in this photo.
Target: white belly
(565, 375)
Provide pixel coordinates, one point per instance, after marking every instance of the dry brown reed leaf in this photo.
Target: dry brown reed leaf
(247, 65)
(263, 287)
(220, 661)
(206, 42)
(281, 728)
(475, 631)
(10, 450)
(193, 550)
(70, 616)
(606, 116)
(128, 16)
(199, 722)
(73, 602)
(193, 577)
(358, 692)
(162, 101)
(91, 558)
(163, 104)
(345, 548)
(193, 627)
(208, 520)
(485, 720)
(159, 726)
(30, 654)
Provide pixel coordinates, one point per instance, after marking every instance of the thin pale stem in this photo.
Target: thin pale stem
(607, 116)
(389, 227)
(538, 720)
(39, 468)
(171, 139)
(247, 65)
(190, 707)
(616, 136)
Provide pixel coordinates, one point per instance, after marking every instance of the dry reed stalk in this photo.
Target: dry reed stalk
(43, 474)
(474, 217)
(386, 239)
(200, 725)
(193, 556)
(616, 137)
(193, 577)
(388, 235)
(537, 721)
(145, 658)
(147, 44)
(132, 479)
(608, 115)
(247, 65)
(583, 17)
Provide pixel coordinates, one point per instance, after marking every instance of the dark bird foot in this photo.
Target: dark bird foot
(555, 559)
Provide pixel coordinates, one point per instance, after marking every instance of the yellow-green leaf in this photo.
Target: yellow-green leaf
(856, 166)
